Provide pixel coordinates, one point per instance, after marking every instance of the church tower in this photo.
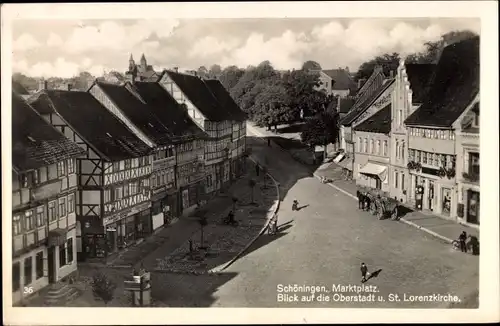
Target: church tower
(144, 64)
(131, 63)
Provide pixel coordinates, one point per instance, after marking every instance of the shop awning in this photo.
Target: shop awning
(346, 163)
(339, 157)
(373, 169)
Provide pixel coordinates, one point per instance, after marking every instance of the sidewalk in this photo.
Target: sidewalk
(172, 242)
(444, 229)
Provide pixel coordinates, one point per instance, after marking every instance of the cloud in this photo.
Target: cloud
(210, 45)
(282, 51)
(59, 68)
(110, 35)
(54, 40)
(25, 42)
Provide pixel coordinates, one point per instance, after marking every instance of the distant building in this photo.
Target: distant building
(336, 82)
(141, 71)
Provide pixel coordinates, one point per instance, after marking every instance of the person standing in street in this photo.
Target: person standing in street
(364, 272)
(462, 238)
(360, 199)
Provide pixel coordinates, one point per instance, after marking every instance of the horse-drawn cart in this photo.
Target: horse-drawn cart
(380, 204)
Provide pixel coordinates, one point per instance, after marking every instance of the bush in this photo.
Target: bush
(103, 287)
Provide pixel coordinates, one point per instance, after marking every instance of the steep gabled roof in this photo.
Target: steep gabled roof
(363, 103)
(167, 110)
(380, 122)
(98, 127)
(341, 79)
(453, 86)
(225, 100)
(35, 143)
(199, 94)
(18, 88)
(419, 76)
(377, 75)
(136, 110)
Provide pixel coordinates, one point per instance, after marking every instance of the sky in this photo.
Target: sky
(63, 48)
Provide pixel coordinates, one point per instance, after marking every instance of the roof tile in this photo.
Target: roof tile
(35, 143)
(380, 122)
(454, 85)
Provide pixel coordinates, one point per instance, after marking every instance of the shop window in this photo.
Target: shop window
(16, 276)
(62, 207)
(40, 216)
(474, 163)
(39, 265)
(62, 255)
(17, 225)
(69, 245)
(52, 211)
(29, 220)
(28, 270)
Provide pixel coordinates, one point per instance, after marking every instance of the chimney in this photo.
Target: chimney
(69, 86)
(195, 73)
(42, 84)
(347, 69)
(176, 69)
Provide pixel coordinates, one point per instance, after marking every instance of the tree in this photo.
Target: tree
(321, 130)
(311, 65)
(251, 184)
(230, 76)
(300, 87)
(203, 222)
(215, 71)
(103, 287)
(389, 62)
(202, 72)
(433, 50)
(265, 171)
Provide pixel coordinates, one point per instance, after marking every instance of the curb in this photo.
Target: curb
(217, 270)
(403, 220)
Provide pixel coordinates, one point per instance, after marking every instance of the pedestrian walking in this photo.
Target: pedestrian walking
(360, 199)
(462, 238)
(364, 272)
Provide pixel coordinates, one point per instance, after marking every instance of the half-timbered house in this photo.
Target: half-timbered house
(113, 201)
(224, 125)
(44, 185)
(188, 140)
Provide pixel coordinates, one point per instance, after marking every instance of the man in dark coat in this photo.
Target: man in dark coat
(462, 238)
(360, 199)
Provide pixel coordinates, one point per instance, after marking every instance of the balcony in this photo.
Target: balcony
(47, 190)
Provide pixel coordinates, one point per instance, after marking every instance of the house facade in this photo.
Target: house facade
(375, 97)
(224, 126)
(372, 152)
(44, 192)
(432, 129)
(467, 143)
(408, 95)
(336, 82)
(113, 199)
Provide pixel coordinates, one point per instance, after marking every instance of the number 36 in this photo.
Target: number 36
(28, 290)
